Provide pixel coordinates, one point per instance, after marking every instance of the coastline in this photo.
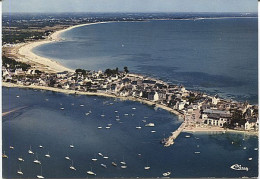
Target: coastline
(150, 103)
(25, 54)
(65, 91)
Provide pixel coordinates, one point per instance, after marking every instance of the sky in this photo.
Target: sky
(129, 6)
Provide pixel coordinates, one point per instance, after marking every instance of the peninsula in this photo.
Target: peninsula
(200, 112)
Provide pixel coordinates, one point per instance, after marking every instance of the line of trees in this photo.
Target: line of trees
(14, 64)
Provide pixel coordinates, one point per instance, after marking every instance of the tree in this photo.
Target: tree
(81, 71)
(126, 70)
(237, 117)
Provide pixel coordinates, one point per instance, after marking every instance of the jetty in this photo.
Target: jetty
(170, 140)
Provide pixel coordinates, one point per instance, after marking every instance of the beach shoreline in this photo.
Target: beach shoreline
(25, 54)
(66, 91)
(150, 103)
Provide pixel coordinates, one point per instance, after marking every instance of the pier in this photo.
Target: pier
(170, 140)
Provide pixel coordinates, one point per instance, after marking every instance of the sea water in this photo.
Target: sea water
(211, 55)
(217, 56)
(43, 122)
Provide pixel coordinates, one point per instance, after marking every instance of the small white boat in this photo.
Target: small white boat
(143, 120)
(20, 159)
(72, 167)
(11, 147)
(244, 148)
(103, 165)
(133, 108)
(153, 131)
(108, 127)
(30, 150)
(71, 146)
(117, 116)
(37, 161)
(145, 117)
(105, 157)
(123, 163)
(139, 154)
(117, 119)
(239, 167)
(250, 159)
(166, 174)
(138, 127)
(150, 125)
(116, 111)
(67, 158)
(147, 168)
(102, 115)
(123, 166)
(94, 159)
(18, 96)
(99, 127)
(47, 155)
(87, 113)
(40, 176)
(187, 136)
(114, 164)
(197, 152)
(100, 154)
(255, 148)
(109, 124)
(90, 172)
(62, 108)
(19, 171)
(4, 155)
(40, 146)
(81, 105)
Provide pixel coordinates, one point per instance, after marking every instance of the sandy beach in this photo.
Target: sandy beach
(25, 54)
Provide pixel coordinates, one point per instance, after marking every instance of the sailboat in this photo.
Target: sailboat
(147, 167)
(90, 172)
(30, 150)
(11, 147)
(47, 155)
(138, 127)
(67, 157)
(19, 171)
(72, 167)
(4, 156)
(36, 160)
(114, 164)
(103, 165)
(40, 176)
(123, 164)
(20, 159)
(71, 146)
(100, 154)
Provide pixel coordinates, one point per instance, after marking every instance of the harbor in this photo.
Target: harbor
(88, 141)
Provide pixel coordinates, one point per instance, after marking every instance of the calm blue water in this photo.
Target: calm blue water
(211, 55)
(44, 123)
